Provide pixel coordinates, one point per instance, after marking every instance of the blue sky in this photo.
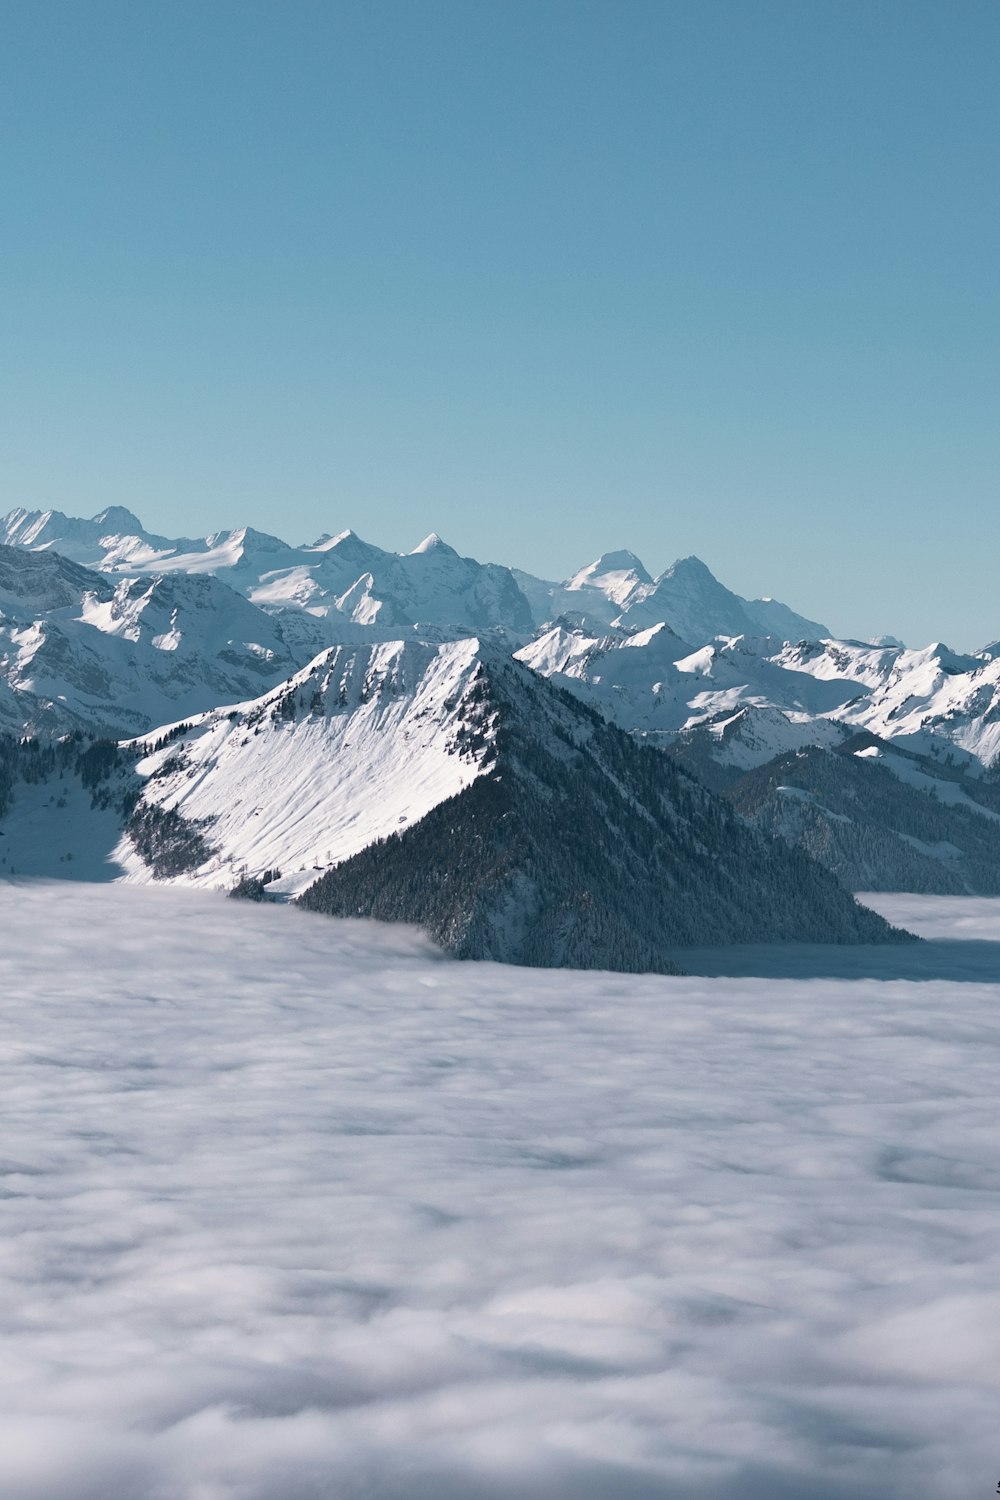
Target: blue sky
(547, 278)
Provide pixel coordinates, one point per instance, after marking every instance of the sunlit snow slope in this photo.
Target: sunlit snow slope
(79, 650)
(364, 741)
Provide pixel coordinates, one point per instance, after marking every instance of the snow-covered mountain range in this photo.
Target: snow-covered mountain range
(106, 625)
(85, 650)
(287, 707)
(781, 693)
(336, 576)
(444, 784)
(348, 579)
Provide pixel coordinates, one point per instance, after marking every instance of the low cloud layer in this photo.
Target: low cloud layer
(293, 1208)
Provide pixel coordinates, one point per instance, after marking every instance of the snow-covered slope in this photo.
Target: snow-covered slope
(363, 741)
(432, 585)
(79, 649)
(616, 574)
(576, 847)
(933, 700)
(345, 576)
(617, 590)
(698, 607)
(631, 679)
(337, 575)
(661, 656)
(919, 695)
(84, 541)
(652, 684)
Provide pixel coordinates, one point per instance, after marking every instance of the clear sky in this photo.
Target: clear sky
(549, 278)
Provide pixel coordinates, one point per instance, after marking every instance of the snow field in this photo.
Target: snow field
(292, 1207)
(303, 796)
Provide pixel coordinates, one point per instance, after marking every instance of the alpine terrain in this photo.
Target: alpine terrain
(595, 772)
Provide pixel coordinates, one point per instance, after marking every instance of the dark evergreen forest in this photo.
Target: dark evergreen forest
(581, 848)
(874, 831)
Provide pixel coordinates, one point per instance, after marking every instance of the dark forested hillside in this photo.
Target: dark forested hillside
(96, 763)
(104, 772)
(580, 848)
(938, 831)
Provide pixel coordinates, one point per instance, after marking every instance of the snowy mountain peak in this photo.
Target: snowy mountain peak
(690, 567)
(347, 581)
(614, 573)
(346, 557)
(432, 543)
(246, 541)
(362, 742)
(39, 528)
(115, 520)
(660, 635)
(328, 541)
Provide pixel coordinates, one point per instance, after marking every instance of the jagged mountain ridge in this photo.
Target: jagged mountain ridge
(618, 592)
(576, 847)
(122, 651)
(364, 739)
(337, 575)
(80, 649)
(923, 697)
(343, 575)
(501, 813)
(683, 671)
(933, 701)
(652, 683)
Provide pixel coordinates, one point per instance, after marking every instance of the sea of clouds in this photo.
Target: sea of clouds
(293, 1208)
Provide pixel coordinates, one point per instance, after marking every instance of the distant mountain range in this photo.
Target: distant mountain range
(343, 714)
(346, 579)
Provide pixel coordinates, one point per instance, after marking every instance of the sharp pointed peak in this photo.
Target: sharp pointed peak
(431, 543)
(343, 539)
(661, 634)
(690, 564)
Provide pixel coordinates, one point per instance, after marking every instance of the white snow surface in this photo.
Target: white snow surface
(617, 590)
(79, 649)
(701, 652)
(917, 696)
(651, 682)
(342, 577)
(933, 701)
(372, 749)
(345, 576)
(293, 1208)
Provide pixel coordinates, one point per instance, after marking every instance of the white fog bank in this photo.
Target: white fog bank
(292, 1209)
(952, 918)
